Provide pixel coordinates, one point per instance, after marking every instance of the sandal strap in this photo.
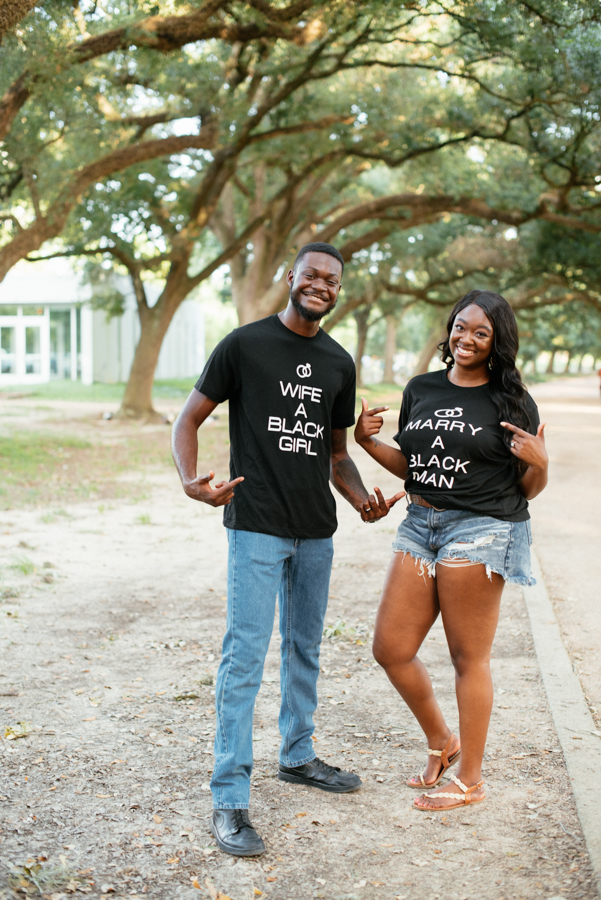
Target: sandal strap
(444, 753)
(453, 796)
(460, 784)
(467, 791)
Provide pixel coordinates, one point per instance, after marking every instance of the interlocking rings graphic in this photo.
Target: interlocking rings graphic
(454, 413)
(304, 371)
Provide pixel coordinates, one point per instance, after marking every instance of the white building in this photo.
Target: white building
(49, 330)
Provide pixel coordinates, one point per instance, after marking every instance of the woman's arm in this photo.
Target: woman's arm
(369, 425)
(531, 449)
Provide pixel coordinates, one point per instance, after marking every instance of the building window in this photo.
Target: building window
(33, 350)
(8, 350)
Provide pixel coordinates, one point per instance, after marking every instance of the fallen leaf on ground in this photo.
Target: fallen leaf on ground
(157, 819)
(174, 859)
(215, 894)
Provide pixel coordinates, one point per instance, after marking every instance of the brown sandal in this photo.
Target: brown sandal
(445, 760)
(463, 799)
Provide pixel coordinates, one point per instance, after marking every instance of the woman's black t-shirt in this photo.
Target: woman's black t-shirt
(453, 444)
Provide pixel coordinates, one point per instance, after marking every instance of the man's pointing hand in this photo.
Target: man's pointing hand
(220, 495)
(376, 507)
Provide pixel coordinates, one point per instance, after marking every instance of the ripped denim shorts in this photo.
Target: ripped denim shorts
(431, 536)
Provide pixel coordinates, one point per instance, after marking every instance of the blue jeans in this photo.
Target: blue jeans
(261, 568)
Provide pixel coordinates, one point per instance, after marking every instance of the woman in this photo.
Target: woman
(472, 453)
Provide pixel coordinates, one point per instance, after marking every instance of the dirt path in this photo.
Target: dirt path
(108, 655)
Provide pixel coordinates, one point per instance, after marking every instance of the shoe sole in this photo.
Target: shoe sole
(309, 782)
(233, 851)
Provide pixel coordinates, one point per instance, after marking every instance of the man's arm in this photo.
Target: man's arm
(345, 477)
(184, 448)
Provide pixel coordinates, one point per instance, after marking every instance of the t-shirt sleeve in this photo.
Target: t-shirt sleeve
(343, 410)
(405, 412)
(221, 375)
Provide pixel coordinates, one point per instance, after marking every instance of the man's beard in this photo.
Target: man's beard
(307, 314)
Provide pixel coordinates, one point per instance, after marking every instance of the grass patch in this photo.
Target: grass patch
(381, 395)
(24, 565)
(44, 468)
(44, 879)
(63, 389)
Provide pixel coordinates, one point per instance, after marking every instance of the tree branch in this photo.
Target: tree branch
(301, 128)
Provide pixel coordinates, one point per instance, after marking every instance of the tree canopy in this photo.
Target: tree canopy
(172, 138)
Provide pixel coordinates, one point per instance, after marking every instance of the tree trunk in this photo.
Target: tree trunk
(137, 399)
(551, 362)
(154, 322)
(437, 334)
(361, 318)
(569, 360)
(389, 349)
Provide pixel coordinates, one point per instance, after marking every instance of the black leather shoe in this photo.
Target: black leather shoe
(319, 774)
(234, 834)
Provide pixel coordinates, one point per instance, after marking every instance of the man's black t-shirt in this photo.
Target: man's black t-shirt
(453, 443)
(286, 392)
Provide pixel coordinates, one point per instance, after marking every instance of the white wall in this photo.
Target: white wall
(182, 354)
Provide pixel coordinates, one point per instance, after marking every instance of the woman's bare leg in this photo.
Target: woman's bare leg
(469, 605)
(408, 609)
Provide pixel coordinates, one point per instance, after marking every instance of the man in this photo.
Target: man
(291, 392)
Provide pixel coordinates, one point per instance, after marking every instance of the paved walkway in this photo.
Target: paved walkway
(567, 522)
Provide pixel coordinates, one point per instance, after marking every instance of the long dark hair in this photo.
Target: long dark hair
(507, 391)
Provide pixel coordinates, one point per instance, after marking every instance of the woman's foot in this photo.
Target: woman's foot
(438, 762)
(450, 796)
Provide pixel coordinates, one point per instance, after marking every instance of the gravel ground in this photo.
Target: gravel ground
(108, 655)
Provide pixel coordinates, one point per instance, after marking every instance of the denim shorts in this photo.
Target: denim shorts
(430, 536)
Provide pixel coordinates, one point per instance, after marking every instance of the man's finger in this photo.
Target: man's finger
(390, 503)
(540, 431)
(364, 404)
(204, 479)
(381, 500)
(228, 485)
(376, 409)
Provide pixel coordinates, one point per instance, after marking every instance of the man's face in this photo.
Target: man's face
(315, 285)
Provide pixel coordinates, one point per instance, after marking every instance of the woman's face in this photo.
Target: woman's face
(471, 339)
